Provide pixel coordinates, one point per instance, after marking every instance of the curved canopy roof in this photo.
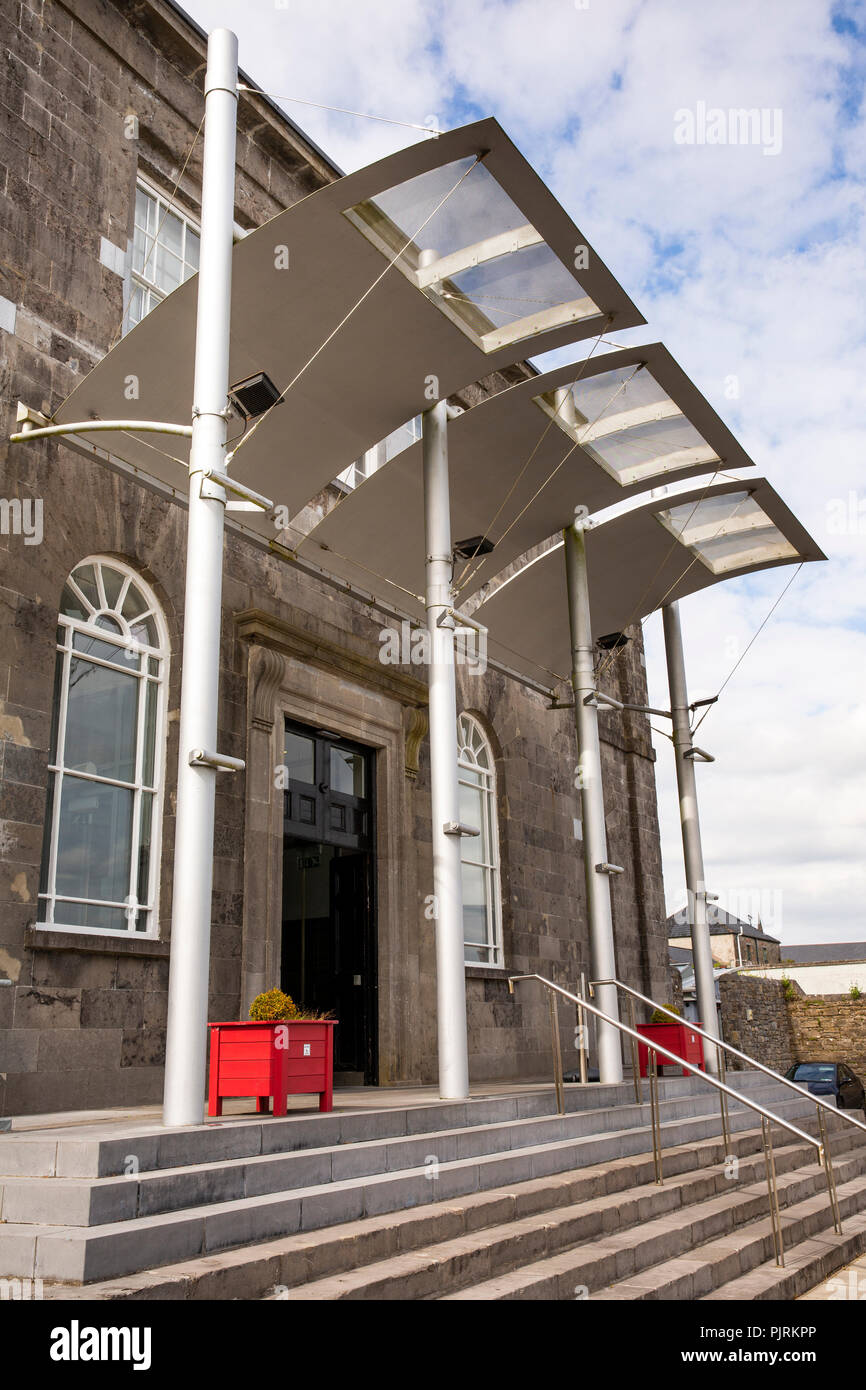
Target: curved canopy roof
(486, 273)
(656, 553)
(594, 432)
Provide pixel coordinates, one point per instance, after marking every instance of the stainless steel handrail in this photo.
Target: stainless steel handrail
(818, 1101)
(734, 1051)
(767, 1116)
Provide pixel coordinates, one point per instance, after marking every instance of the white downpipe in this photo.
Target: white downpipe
(186, 1042)
(447, 872)
(592, 803)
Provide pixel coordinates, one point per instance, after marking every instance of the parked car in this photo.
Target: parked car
(830, 1079)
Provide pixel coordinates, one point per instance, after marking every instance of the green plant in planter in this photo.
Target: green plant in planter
(276, 1007)
(273, 1007)
(658, 1017)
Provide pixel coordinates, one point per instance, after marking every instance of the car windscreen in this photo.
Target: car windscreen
(815, 1071)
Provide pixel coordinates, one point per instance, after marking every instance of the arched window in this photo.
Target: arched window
(100, 861)
(482, 911)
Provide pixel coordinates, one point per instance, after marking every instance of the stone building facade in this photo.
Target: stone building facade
(95, 99)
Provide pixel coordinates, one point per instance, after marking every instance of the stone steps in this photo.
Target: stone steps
(295, 1260)
(86, 1253)
(89, 1201)
(699, 1252)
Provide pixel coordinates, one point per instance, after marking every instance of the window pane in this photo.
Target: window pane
(151, 698)
(110, 624)
(55, 708)
(300, 757)
(101, 719)
(137, 309)
(71, 604)
(93, 850)
(112, 583)
(171, 233)
(347, 772)
(85, 578)
(144, 855)
(472, 812)
(134, 604)
(474, 903)
(145, 632)
(169, 269)
(106, 651)
(192, 245)
(90, 915)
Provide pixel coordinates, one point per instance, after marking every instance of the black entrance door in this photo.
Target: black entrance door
(328, 946)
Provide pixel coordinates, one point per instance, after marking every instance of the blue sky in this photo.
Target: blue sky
(751, 267)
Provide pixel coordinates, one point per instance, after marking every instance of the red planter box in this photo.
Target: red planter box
(676, 1037)
(271, 1059)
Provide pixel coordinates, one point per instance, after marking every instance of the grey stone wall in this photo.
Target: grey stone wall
(84, 1024)
(755, 1019)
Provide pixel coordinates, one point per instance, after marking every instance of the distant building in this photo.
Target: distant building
(733, 942)
(821, 952)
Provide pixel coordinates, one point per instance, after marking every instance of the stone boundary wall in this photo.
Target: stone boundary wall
(831, 1027)
(756, 1019)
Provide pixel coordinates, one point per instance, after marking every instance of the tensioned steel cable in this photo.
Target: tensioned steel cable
(343, 111)
(743, 655)
(310, 360)
(350, 560)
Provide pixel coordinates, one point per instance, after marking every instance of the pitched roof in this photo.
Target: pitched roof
(721, 924)
(817, 953)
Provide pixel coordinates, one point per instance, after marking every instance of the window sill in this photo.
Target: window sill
(50, 939)
(487, 972)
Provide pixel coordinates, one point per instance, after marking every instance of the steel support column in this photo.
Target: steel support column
(186, 1043)
(702, 955)
(447, 872)
(592, 801)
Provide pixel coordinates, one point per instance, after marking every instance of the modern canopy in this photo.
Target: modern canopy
(635, 417)
(656, 553)
(492, 276)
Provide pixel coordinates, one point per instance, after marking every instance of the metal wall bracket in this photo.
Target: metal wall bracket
(200, 757)
(609, 869)
(699, 755)
(456, 827)
(598, 697)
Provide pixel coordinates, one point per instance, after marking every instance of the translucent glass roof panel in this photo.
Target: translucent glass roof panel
(628, 424)
(636, 563)
(351, 346)
(473, 253)
(728, 533)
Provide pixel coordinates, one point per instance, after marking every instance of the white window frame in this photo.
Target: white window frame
(68, 626)
(138, 280)
(469, 845)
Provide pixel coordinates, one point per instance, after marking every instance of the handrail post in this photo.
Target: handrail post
(773, 1189)
(635, 1054)
(726, 1132)
(557, 1052)
(581, 1030)
(653, 1069)
(827, 1163)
